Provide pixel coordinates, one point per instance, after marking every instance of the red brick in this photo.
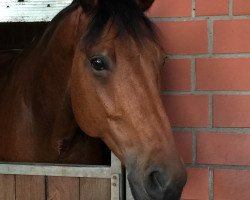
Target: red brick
(231, 184)
(231, 111)
(223, 148)
(176, 75)
(187, 110)
(223, 74)
(184, 145)
(184, 37)
(171, 8)
(241, 7)
(211, 7)
(232, 36)
(197, 185)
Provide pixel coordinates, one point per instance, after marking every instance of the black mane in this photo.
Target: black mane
(125, 15)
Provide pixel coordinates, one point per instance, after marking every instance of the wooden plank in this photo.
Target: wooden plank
(7, 187)
(117, 179)
(116, 165)
(30, 187)
(63, 188)
(56, 170)
(95, 189)
(30, 10)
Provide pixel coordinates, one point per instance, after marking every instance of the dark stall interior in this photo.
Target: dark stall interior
(20, 35)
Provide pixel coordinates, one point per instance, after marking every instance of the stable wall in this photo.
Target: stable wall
(206, 91)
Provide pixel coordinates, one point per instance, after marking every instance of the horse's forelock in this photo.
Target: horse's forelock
(126, 15)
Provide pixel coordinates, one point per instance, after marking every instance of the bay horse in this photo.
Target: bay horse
(93, 76)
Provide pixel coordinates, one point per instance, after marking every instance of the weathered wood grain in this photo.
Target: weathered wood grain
(63, 188)
(95, 189)
(30, 187)
(7, 187)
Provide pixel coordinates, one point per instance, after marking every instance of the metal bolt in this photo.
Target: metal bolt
(114, 184)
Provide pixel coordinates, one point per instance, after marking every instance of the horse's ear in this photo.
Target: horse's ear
(144, 4)
(88, 5)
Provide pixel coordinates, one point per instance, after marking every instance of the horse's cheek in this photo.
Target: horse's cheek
(85, 107)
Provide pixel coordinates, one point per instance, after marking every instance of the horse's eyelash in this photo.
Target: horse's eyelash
(164, 61)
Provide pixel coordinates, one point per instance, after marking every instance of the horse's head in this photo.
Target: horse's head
(115, 95)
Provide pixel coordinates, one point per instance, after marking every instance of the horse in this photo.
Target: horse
(93, 78)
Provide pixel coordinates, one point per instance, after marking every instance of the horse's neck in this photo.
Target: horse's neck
(35, 102)
(49, 82)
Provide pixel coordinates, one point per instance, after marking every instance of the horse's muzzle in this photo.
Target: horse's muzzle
(157, 184)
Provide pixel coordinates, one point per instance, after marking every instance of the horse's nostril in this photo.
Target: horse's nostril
(160, 185)
(156, 184)
(157, 181)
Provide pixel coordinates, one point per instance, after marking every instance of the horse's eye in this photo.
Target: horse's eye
(98, 64)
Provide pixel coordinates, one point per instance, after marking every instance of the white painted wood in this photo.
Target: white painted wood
(30, 10)
(94, 171)
(116, 166)
(115, 187)
(56, 170)
(117, 177)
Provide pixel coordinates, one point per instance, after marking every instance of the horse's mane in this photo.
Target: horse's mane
(126, 15)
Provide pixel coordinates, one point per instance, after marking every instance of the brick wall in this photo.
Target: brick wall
(206, 91)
